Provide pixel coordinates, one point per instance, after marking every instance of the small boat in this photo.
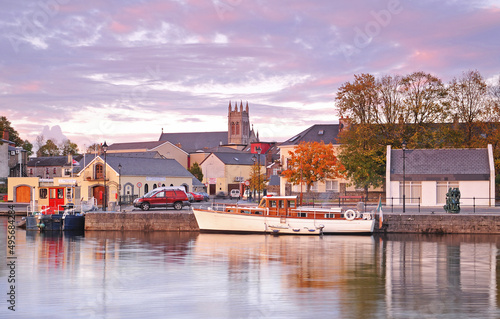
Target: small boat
(282, 215)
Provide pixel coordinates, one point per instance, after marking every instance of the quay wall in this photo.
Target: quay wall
(143, 221)
(393, 223)
(440, 224)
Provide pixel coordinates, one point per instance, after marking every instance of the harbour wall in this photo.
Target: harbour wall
(143, 221)
(440, 224)
(184, 221)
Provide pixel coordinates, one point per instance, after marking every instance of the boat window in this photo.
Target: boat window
(291, 204)
(282, 203)
(328, 215)
(272, 203)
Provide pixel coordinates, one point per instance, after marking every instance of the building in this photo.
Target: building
(328, 134)
(53, 166)
(164, 148)
(428, 174)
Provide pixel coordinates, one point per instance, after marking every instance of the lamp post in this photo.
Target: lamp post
(119, 184)
(105, 197)
(403, 145)
(254, 159)
(259, 150)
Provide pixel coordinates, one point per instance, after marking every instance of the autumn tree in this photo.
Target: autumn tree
(195, 169)
(258, 180)
(469, 103)
(312, 162)
(359, 100)
(94, 148)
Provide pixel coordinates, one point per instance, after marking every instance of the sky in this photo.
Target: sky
(123, 71)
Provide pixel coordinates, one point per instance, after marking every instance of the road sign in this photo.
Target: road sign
(139, 184)
(247, 183)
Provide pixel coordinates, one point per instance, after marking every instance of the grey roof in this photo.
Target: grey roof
(192, 142)
(455, 163)
(138, 166)
(328, 133)
(52, 161)
(196, 182)
(239, 158)
(134, 145)
(150, 154)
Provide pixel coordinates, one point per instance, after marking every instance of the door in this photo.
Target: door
(98, 193)
(56, 198)
(23, 194)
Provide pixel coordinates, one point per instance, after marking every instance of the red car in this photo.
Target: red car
(163, 197)
(197, 197)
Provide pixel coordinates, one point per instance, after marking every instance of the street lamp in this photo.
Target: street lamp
(119, 184)
(403, 145)
(104, 149)
(258, 149)
(254, 159)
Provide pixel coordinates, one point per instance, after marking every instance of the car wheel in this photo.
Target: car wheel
(177, 205)
(145, 206)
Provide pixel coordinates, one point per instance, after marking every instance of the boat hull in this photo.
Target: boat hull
(213, 221)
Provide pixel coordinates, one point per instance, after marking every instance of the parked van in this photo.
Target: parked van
(235, 193)
(174, 197)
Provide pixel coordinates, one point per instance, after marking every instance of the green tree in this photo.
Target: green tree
(312, 162)
(49, 149)
(5, 125)
(67, 147)
(195, 169)
(28, 147)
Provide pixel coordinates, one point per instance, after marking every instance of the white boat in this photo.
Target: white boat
(282, 215)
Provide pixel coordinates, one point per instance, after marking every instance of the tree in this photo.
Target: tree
(469, 102)
(258, 180)
(28, 147)
(94, 148)
(362, 154)
(67, 147)
(359, 100)
(13, 134)
(312, 162)
(49, 149)
(195, 169)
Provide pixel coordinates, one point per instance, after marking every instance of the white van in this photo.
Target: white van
(235, 193)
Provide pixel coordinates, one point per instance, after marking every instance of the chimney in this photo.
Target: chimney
(5, 135)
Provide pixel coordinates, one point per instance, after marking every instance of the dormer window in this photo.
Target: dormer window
(321, 132)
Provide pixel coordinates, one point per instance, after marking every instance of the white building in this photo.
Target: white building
(429, 173)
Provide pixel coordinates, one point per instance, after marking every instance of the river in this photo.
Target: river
(192, 275)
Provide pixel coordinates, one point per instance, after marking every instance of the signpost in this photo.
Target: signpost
(139, 185)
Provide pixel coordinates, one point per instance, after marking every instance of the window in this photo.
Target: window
(99, 171)
(272, 203)
(332, 186)
(329, 215)
(46, 170)
(60, 193)
(413, 192)
(291, 204)
(442, 189)
(54, 171)
(146, 188)
(314, 187)
(69, 193)
(67, 172)
(232, 129)
(31, 171)
(237, 128)
(43, 193)
(282, 203)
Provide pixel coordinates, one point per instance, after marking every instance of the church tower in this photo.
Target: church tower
(238, 131)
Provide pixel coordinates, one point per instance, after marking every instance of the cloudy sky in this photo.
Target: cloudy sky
(124, 70)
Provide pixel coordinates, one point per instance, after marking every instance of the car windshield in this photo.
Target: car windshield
(151, 193)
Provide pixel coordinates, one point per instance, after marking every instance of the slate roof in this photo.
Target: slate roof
(135, 145)
(139, 166)
(194, 141)
(327, 133)
(274, 180)
(433, 164)
(239, 158)
(52, 161)
(150, 154)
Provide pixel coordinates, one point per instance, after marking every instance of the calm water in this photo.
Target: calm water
(172, 275)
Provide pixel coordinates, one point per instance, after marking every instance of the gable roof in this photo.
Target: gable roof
(149, 154)
(140, 166)
(328, 133)
(239, 158)
(52, 161)
(195, 141)
(441, 164)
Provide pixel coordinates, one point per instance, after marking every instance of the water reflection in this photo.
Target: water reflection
(186, 275)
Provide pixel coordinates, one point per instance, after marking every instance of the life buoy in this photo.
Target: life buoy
(350, 214)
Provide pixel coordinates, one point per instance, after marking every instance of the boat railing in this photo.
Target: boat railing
(38, 209)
